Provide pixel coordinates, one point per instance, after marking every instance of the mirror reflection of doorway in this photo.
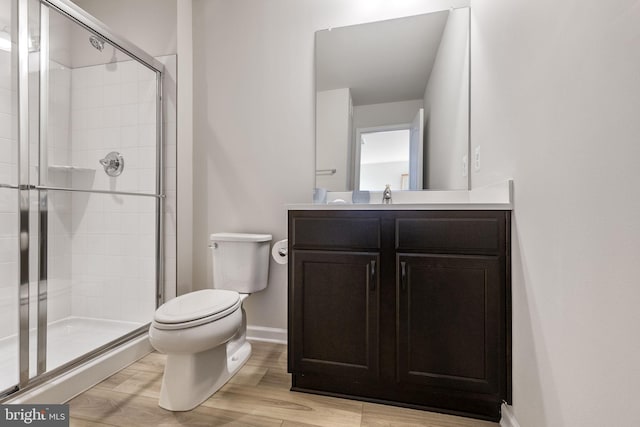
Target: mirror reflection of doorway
(389, 155)
(384, 159)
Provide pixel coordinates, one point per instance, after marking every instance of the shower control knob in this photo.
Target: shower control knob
(113, 163)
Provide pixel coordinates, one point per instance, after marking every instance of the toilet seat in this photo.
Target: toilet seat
(196, 308)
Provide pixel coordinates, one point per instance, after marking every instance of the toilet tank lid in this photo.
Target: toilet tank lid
(240, 237)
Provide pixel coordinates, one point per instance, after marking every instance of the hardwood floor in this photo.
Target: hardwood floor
(258, 395)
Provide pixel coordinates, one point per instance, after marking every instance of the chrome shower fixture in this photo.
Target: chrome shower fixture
(113, 164)
(96, 42)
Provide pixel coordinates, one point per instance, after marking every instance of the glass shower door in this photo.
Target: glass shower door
(81, 191)
(99, 189)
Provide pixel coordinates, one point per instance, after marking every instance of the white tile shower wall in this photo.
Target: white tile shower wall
(59, 134)
(58, 140)
(113, 108)
(170, 168)
(113, 254)
(8, 198)
(8, 262)
(8, 121)
(113, 241)
(113, 270)
(59, 212)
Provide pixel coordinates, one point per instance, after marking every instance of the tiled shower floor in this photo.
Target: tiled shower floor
(67, 339)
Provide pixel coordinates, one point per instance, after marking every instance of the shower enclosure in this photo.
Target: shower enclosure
(81, 190)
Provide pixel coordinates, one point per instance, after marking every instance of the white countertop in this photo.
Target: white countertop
(493, 197)
(402, 207)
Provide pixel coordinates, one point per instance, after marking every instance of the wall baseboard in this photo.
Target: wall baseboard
(508, 418)
(261, 333)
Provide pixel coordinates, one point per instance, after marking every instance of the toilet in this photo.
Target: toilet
(203, 333)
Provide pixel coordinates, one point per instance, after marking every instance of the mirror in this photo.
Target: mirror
(392, 104)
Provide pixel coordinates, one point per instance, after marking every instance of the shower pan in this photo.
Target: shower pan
(81, 254)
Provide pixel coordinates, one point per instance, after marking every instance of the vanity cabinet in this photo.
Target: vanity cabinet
(410, 308)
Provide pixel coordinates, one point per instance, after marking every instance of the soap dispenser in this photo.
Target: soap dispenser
(386, 195)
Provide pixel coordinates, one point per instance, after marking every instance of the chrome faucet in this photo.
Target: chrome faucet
(386, 195)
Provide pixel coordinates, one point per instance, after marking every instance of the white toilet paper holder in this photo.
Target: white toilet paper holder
(280, 252)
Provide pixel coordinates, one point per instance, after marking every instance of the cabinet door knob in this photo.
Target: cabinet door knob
(372, 275)
(403, 278)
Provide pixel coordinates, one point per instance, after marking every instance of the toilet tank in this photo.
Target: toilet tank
(240, 261)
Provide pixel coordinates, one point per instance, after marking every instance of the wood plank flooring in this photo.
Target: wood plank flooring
(258, 396)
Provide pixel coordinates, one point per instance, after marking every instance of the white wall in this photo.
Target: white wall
(446, 107)
(184, 159)
(254, 119)
(333, 131)
(555, 93)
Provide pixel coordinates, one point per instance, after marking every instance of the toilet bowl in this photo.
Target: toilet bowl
(203, 333)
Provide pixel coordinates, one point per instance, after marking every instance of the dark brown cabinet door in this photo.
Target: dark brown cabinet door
(449, 322)
(334, 313)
